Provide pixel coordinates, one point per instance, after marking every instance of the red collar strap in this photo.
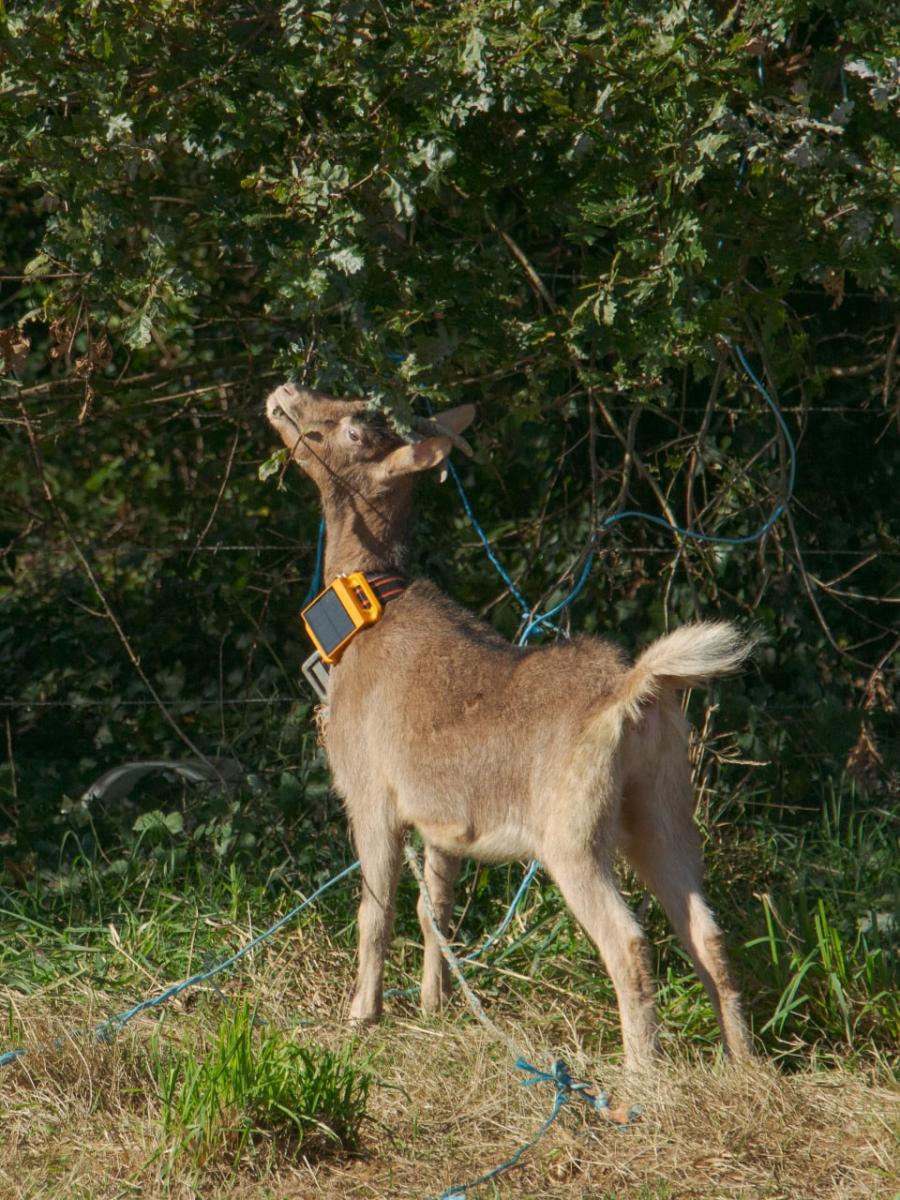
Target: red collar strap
(387, 587)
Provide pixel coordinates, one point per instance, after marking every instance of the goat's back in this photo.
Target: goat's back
(461, 727)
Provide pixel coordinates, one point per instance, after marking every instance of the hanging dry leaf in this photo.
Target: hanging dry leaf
(14, 349)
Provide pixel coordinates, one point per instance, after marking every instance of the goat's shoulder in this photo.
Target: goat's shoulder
(431, 611)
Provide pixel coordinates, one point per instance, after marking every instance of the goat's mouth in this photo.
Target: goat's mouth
(291, 433)
(276, 413)
(278, 416)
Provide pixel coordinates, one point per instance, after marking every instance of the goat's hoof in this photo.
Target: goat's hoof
(643, 1063)
(364, 1018)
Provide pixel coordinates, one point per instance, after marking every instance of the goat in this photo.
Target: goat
(564, 752)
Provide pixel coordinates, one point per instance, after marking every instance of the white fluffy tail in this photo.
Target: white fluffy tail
(682, 659)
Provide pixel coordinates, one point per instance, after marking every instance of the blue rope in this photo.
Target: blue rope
(107, 1029)
(535, 621)
(566, 1087)
(460, 1189)
(489, 549)
(716, 539)
(559, 1076)
(316, 583)
(539, 619)
(533, 868)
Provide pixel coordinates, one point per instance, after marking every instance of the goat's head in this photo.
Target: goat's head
(340, 445)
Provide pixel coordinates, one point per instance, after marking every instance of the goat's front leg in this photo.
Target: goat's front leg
(378, 844)
(441, 870)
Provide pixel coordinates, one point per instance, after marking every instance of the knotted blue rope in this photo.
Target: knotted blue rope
(591, 1095)
(566, 1087)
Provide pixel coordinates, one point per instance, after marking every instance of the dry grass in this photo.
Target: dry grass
(83, 1121)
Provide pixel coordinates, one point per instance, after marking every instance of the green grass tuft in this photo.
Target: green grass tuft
(253, 1090)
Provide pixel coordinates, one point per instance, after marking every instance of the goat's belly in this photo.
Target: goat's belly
(499, 844)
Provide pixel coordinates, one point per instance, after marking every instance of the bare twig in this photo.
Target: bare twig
(887, 388)
(889, 359)
(833, 591)
(696, 455)
(855, 372)
(850, 570)
(642, 468)
(215, 508)
(592, 458)
(12, 767)
(808, 587)
(524, 262)
(160, 376)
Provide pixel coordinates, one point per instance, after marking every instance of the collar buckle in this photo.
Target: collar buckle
(315, 672)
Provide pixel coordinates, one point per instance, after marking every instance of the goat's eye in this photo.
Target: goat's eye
(352, 434)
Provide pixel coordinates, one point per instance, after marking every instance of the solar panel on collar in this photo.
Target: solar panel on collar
(329, 621)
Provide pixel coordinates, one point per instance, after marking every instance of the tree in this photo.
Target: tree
(577, 214)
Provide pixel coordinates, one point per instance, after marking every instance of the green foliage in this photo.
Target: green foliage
(830, 932)
(254, 1088)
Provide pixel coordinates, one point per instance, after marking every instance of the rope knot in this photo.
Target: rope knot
(567, 1085)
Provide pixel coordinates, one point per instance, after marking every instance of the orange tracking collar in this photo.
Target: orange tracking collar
(349, 603)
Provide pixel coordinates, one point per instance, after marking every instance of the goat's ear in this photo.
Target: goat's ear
(415, 456)
(456, 419)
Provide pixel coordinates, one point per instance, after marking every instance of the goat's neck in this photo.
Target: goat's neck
(365, 535)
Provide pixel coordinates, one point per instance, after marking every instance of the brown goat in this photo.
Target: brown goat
(564, 753)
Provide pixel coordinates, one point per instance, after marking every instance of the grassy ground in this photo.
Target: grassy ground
(252, 1086)
(87, 1120)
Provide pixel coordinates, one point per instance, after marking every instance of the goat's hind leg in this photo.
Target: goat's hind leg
(378, 843)
(586, 881)
(441, 870)
(663, 845)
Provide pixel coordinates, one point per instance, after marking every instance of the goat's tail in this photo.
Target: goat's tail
(682, 659)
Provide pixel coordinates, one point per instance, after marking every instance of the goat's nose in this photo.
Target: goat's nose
(288, 392)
